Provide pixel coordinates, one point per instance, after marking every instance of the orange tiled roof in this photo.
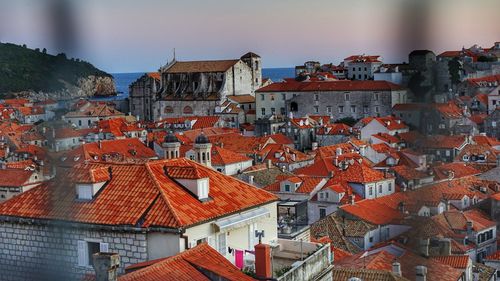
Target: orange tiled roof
(190, 265)
(329, 85)
(454, 261)
(14, 177)
(155, 75)
(154, 200)
(242, 98)
(459, 170)
(201, 66)
(494, 256)
(221, 156)
(373, 212)
(121, 150)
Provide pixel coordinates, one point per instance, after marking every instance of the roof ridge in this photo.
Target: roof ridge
(162, 193)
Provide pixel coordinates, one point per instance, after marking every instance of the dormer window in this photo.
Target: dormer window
(195, 180)
(287, 188)
(90, 182)
(465, 158)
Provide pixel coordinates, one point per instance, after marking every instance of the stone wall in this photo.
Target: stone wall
(41, 252)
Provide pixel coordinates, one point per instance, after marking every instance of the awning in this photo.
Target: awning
(240, 220)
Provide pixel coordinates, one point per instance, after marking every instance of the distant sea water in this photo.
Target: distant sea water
(123, 80)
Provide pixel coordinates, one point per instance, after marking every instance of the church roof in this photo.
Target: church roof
(201, 66)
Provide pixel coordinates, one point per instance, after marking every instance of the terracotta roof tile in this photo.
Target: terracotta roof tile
(201, 66)
(336, 85)
(154, 199)
(190, 265)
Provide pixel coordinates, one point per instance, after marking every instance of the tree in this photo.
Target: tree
(349, 121)
(415, 85)
(44, 51)
(454, 68)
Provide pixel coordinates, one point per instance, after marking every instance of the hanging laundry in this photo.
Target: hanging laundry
(238, 258)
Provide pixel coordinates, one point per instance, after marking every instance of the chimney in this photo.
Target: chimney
(424, 247)
(338, 151)
(421, 273)
(262, 261)
(106, 266)
(315, 147)
(470, 226)
(396, 268)
(445, 247)
(269, 164)
(250, 180)
(351, 199)
(99, 144)
(330, 174)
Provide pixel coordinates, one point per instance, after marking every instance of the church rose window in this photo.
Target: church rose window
(188, 110)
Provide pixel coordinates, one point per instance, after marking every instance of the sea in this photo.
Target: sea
(123, 80)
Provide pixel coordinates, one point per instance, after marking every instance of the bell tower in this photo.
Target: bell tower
(202, 148)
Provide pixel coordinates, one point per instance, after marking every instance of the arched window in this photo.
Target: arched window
(188, 110)
(169, 109)
(294, 106)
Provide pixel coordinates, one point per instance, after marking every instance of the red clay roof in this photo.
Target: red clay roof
(221, 156)
(336, 85)
(154, 199)
(373, 212)
(189, 265)
(201, 66)
(242, 98)
(14, 177)
(460, 262)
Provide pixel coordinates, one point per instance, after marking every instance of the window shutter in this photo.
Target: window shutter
(103, 247)
(82, 253)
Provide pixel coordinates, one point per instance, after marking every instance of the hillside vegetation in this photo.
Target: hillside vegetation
(24, 69)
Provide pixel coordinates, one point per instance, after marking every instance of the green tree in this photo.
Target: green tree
(454, 68)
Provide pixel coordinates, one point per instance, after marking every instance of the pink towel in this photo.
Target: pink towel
(238, 258)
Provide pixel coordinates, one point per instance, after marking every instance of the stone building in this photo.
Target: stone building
(362, 67)
(51, 232)
(337, 99)
(188, 88)
(143, 94)
(492, 124)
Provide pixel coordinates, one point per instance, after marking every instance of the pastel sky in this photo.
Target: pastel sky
(133, 36)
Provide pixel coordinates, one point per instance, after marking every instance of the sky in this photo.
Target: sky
(136, 36)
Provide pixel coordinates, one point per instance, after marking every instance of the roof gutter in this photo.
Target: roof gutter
(69, 224)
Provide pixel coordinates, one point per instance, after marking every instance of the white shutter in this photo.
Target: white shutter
(82, 253)
(103, 247)
(222, 246)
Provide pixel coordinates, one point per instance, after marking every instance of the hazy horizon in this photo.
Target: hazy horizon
(131, 36)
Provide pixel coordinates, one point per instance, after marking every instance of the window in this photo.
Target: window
(353, 108)
(380, 188)
(346, 96)
(273, 110)
(447, 152)
(376, 109)
(366, 68)
(341, 109)
(168, 109)
(221, 245)
(371, 239)
(263, 111)
(282, 111)
(365, 109)
(188, 110)
(316, 109)
(256, 80)
(389, 186)
(494, 124)
(262, 97)
(88, 248)
(359, 76)
(202, 240)
(322, 213)
(359, 68)
(287, 188)
(195, 85)
(272, 97)
(80, 123)
(375, 96)
(316, 97)
(370, 190)
(329, 109)
(256, 65)
(283, 96)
